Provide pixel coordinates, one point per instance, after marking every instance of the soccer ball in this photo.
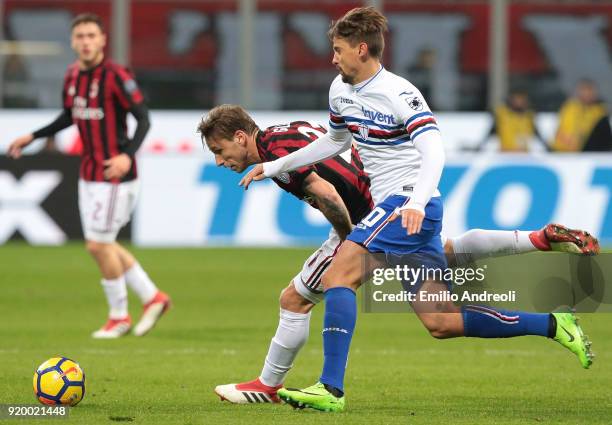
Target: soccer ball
(59, 381)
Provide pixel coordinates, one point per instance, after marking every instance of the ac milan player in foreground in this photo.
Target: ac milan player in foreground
(97, 96)
(341, 191)
(404, 157)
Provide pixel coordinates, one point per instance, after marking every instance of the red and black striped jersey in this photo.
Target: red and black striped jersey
(98, 100)
(349, 178)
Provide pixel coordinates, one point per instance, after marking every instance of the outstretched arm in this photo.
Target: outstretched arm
(62, 121)
(321, 149)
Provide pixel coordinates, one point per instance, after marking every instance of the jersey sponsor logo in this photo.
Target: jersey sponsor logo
(94, 89)
(345, 100)
(364, 131)
(415, 103)
(82, 112)
(378, 116)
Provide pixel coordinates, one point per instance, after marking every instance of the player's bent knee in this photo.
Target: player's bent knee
(97, 248)
(286, 295)
(348, 268)
(92, 247)
(292, 300)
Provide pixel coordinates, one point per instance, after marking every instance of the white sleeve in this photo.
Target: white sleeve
(429, 144)
(325, 147)
(421, 126)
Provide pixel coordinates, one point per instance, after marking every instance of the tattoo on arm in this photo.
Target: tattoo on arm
(329, 203)
(337, 214)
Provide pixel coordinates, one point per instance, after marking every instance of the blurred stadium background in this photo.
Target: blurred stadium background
(274, 58)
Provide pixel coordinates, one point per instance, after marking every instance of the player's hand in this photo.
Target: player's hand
(256, 174)
(412, 220)
(14, 150)
(117, 166)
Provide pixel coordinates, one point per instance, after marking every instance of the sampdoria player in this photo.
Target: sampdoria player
(400, 144)
(97, 96)
(340, 190)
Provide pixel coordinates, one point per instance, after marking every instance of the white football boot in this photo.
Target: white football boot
(153, 311)
(114, 328)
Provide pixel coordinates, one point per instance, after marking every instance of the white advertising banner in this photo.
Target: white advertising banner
(187, 200)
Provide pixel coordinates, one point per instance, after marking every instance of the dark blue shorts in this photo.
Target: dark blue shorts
(379, 235)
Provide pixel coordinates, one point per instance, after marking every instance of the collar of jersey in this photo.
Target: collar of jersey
(360, 86)
(259, 143)
(92, 69)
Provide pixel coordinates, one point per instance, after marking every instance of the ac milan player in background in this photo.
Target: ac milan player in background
(97, 96)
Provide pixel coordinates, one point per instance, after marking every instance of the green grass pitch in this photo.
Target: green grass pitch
(225, 312)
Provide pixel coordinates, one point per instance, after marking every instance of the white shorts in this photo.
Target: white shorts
(105, 208)
(308, 281)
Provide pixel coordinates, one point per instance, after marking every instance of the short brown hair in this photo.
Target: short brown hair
(362, 25)
(223, 121)
(87, 18)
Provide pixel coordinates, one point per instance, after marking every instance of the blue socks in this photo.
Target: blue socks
(479, 321)
(338, 327)
(488, 322)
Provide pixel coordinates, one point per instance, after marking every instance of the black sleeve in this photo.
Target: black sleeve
(141, 113)
(64, 120)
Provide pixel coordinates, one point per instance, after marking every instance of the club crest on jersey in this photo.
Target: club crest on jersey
(363, 131)
(284, 177)
(415, 103)
(71, 91)
(94, 89)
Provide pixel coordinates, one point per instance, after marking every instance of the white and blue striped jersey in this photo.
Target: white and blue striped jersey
(385, 115)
